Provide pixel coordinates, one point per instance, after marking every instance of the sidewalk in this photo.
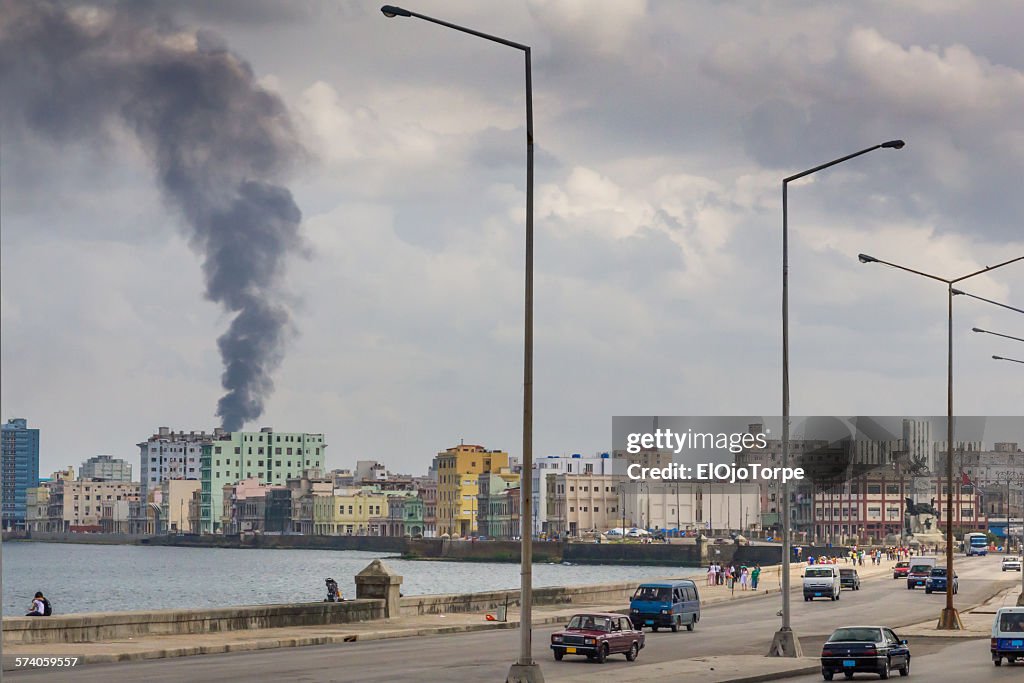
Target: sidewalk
(184, 645)
(977, 621)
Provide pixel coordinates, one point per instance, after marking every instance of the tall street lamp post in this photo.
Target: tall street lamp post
(1006, 336)
(785, 643)
(949, 618)
(1012, 360)
(525, 670)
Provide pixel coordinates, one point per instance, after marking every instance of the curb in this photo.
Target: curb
(775, 676)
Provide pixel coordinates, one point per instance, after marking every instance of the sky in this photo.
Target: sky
(663, 131)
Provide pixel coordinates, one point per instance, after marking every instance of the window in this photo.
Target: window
(874, 489)
(238, 450)
(277, 451)
(892, 489)
(277, 463)
(967, 512)
(216, 449)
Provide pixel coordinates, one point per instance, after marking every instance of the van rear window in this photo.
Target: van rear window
(1012, 622)
(819, 573)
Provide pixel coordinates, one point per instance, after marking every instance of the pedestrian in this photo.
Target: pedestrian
(719, 574)
(40, 607)
(755, 576)
(711, 574)
(744, 577)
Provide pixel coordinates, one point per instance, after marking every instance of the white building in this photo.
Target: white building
(107, 468)
(691, 505)
(561, 464)
(171, 455)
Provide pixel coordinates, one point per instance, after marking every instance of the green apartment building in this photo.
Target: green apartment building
(271, 456)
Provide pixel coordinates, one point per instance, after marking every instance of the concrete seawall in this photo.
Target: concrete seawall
(100, 626)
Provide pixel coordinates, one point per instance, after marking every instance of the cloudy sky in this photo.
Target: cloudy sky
(663, 130)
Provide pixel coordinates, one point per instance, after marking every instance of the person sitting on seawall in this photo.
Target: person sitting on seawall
(333, 593)
(40, 607)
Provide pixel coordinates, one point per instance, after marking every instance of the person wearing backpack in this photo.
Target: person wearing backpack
(40, 607)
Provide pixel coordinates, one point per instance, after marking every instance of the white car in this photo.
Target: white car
(1011, 563)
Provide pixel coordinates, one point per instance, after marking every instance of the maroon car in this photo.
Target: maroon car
(597, 635)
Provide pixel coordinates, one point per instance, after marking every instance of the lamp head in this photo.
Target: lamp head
(864, 258)
(893, 144)
(956, 291)
(977, 329)
(998, 358)
(390, 11)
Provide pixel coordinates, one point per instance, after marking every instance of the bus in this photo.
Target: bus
(975, 544)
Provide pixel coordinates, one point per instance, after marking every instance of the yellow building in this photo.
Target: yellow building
(458, 469)
(350, 512)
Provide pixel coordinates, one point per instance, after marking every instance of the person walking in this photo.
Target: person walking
(755, 576)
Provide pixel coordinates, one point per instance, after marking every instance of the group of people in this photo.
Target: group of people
(730, 575)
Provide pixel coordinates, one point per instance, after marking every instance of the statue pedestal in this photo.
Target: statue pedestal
(929, 539)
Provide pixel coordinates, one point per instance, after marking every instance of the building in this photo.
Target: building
(144, 515)
(550, 465)
(174, 499)
(583, 502)
(19, 469)
(77, 504)
(369, 472)
(349, 512)
(503, 520)
(115, 516)
(426, 488)
(269, 456)
(457, 470)
(37, 503)
(305, 490)
(492, 501)
(107, 468)
(245, 506)
(405, 515)
(171, 455)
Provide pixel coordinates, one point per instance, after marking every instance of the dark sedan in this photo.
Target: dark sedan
(848, 578)
(936, 582)
(597, 635)
(864, 649)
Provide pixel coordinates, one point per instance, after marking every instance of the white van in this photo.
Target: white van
(1008, 635)
(821, 581)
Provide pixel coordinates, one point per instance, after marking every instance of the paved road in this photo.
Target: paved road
(743, 627)
(966, 661)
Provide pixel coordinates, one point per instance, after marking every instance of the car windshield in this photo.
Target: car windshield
(848, 572)
(921, 568)
(818, 573)
(939, 571)
(863, 635)
(584, 622)
(902, 564)
(653, 594)
(1012, 622)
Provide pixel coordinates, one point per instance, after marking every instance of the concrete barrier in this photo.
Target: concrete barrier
(101, 626)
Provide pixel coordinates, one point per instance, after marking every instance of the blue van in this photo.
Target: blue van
(665, 603)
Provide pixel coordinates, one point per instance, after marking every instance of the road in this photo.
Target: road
(967, 661)
(742, 627)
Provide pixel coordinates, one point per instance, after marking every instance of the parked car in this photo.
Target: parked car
(1010, 563)
(869, 649)
(900, 570)
(822, 581)
(1008, 635)
(936, 581)
(920, 570)
(668, 604)
(597, 635)
(848, 578)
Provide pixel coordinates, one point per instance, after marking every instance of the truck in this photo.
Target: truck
(975, 544)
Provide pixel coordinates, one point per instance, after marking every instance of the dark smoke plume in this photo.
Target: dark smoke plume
(217, 140)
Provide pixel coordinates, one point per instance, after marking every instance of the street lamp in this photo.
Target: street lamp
(525, 670)
(950, 618)
(785, 643)
(978, 329)
(1012, 360)
(989, 301)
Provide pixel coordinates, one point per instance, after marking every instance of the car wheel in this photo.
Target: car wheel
(675, 625)
(905, 669)
(998, 661)
(848, 675)
(928, 591)
(806, 599)
(634, 650)
(827, 675)
(883, 673)
(689, 627)
(602, 654)
(558, 655)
